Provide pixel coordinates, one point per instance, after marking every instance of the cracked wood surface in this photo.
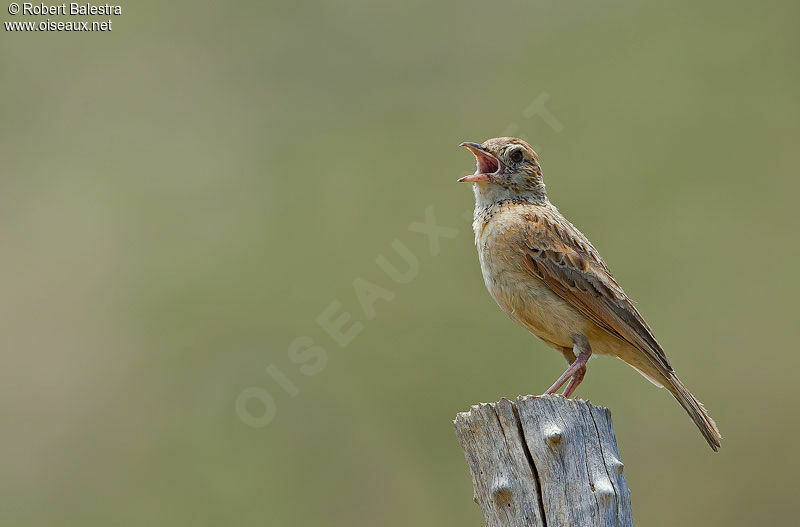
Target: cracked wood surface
(544, 461)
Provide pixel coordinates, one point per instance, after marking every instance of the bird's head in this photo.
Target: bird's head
(506, 167)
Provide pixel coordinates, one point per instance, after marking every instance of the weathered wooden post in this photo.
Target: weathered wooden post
(545, 461)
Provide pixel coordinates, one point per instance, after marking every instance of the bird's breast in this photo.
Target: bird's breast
(522, 296)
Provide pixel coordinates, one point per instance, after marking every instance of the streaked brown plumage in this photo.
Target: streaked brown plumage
(546, 275)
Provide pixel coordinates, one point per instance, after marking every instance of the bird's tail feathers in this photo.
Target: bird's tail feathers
(696, 411)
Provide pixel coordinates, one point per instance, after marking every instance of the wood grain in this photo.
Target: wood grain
(544, 461)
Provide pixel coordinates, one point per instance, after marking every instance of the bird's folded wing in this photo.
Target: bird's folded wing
(559, 255)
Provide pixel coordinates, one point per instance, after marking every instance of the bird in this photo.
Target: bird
(549, 279)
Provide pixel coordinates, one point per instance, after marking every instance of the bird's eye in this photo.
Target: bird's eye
(516, 155)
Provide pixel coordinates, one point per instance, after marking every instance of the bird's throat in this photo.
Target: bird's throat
(489, 194)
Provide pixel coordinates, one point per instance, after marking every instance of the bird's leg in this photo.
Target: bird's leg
(576, 370)
(578, 377)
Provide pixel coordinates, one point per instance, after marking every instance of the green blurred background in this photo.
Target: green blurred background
(182, 197)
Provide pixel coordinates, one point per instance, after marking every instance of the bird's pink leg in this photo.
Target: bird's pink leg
(576, 379)
(576, 370)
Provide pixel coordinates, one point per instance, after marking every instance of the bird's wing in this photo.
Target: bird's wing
(558, 254)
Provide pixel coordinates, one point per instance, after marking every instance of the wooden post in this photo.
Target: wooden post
(545, 461)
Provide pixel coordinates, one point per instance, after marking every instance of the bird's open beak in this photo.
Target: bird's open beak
(487, 165)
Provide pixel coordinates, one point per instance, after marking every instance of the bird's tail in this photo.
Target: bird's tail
(695, 410)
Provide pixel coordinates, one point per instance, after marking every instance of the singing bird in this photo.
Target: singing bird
(549, 279)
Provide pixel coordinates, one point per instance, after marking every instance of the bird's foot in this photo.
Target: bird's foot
(575, 381)
(576, 370)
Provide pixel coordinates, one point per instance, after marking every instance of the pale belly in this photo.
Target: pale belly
(532, 305)
(529, 303)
